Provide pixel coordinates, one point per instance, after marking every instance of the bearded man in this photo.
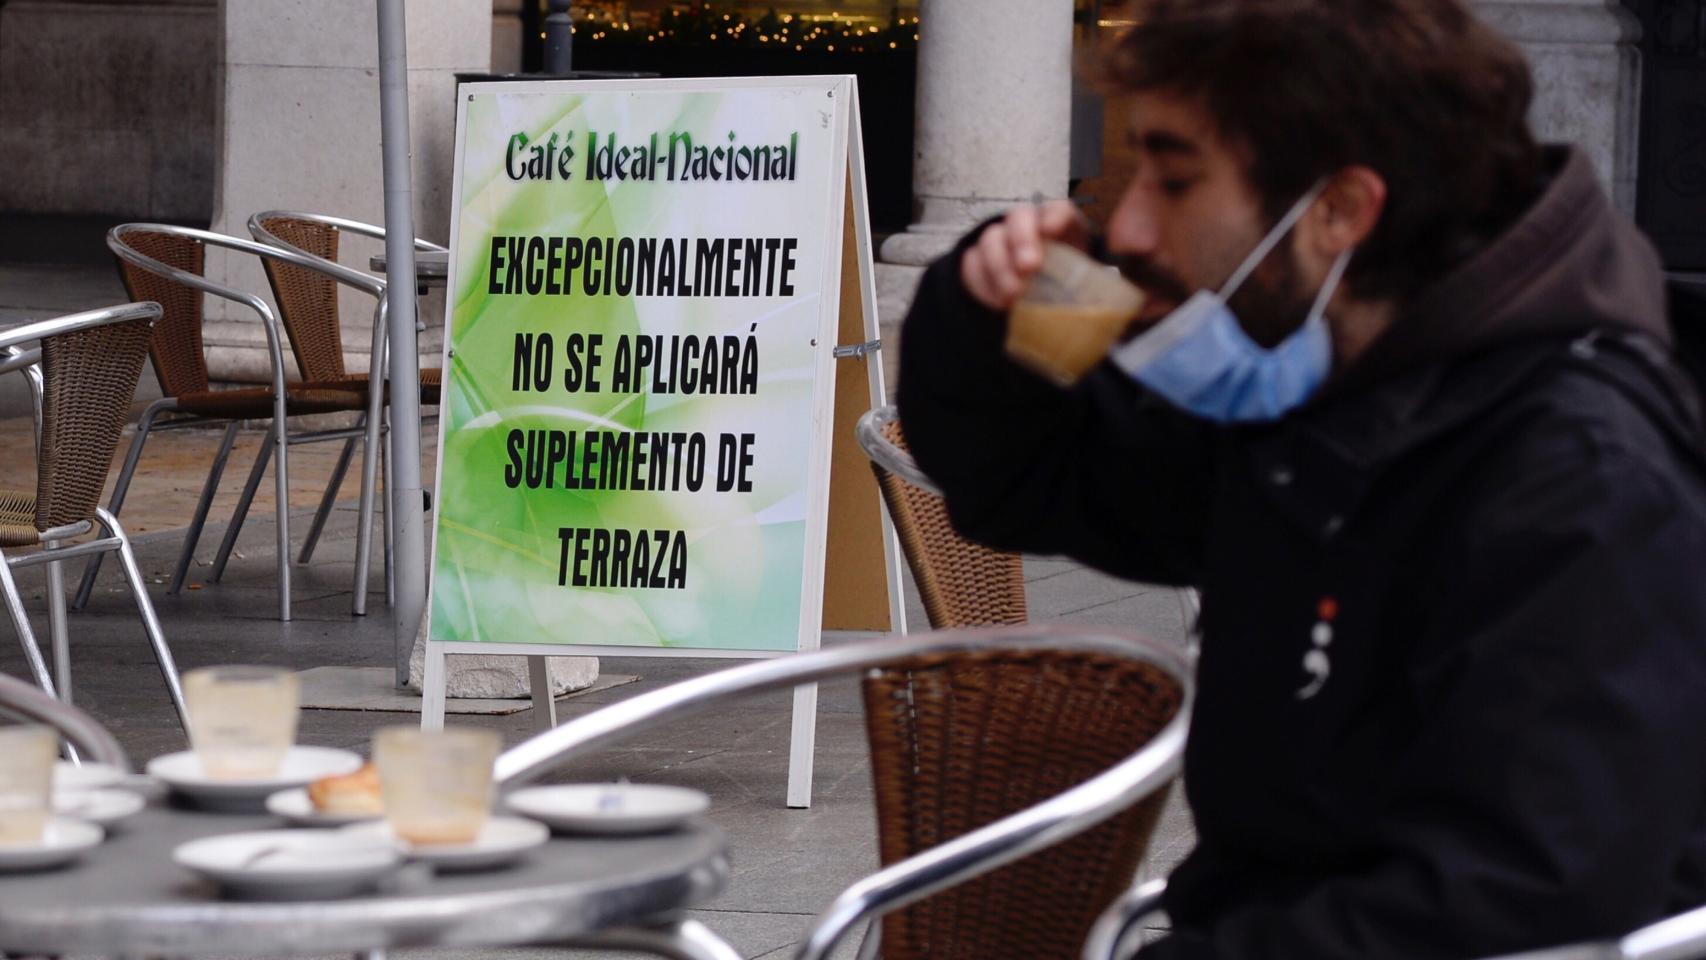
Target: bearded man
(1402, 406)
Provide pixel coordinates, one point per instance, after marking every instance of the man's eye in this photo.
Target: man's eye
(1175, 187)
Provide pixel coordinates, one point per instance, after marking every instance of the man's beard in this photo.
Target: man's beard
(1273, 303)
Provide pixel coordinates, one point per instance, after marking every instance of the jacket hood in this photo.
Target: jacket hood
(1571, 264)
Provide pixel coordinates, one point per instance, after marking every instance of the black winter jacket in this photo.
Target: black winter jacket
(1453, 675)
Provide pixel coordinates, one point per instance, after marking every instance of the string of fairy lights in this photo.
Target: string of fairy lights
(703, 25)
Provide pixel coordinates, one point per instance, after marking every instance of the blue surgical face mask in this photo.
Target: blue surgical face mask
(1200, 359)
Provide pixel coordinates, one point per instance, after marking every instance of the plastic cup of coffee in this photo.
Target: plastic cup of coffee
(242, 719)
(436, 784)
(1071, 315)
(27, 754)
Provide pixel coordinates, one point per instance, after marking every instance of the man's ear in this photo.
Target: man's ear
(1347, 212)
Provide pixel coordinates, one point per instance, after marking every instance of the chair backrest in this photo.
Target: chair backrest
(308, 299)
(89, 377)
(970, 729)
(958, 742)
(180, 362)
(962, 584)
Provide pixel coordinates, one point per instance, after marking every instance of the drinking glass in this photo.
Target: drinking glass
(242, 719)
(1074, 310)
(436, 784)
(27, 754)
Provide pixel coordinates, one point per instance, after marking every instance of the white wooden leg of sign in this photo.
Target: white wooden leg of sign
(544, 705)
(433, 680)
(801, 746)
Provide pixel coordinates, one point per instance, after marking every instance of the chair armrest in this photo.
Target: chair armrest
(1107, 939)
(18, 697)
(1011, 838)
(17, 358)
(885, 453)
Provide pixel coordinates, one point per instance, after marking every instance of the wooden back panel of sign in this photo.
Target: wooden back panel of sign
(855, 579)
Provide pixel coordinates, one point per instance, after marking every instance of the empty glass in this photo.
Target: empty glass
(1069, 318)
(436, 784)
(242, 719)
(27, 754)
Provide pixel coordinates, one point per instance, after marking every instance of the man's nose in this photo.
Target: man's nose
(1133, 229)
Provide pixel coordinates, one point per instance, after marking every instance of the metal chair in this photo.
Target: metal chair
(1682, 937)
(307, 298)
(962, 584)
(1019, 772)
(164, 263)
(88, 366)
(82, 733)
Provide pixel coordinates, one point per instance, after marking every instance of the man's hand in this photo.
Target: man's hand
(998, 268)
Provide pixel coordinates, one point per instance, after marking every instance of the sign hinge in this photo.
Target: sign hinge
(847, 351)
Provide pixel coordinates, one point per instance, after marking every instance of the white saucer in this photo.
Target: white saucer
(104, 807)
(501, 841)
(289, 864)
(296, 808)
(182, 772)
(62, 840)
(609, 808)
(89, 776)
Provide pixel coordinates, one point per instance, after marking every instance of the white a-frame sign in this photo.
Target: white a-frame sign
(658, 335)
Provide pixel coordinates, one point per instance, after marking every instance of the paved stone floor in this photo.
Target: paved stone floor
(787, 864)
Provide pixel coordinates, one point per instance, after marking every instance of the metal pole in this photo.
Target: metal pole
(405, 435)
(559, 38)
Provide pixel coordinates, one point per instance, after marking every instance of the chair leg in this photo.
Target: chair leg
(281, 477)
(327, 500)
(56, 626)
(26, 635)
(120, 488)
(390, 528)
(27, 639)
(370, 440)
(150, 622)
(242, 512)
(208, 489)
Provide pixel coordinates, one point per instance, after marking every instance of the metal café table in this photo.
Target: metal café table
(432, 267)
(127, 898)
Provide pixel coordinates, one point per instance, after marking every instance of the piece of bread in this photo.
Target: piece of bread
(351, 795)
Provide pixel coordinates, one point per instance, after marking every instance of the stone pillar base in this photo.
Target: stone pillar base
(474, 676)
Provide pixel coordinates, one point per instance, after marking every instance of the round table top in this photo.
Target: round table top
(432, 267)
(128, 897)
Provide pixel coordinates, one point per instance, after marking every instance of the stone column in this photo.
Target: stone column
(1587, 72)
(299, 130)
(993, 127)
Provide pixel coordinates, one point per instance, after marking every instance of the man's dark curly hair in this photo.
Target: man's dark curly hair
(1421, 91)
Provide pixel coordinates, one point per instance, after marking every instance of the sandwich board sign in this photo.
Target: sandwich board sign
(660, 303)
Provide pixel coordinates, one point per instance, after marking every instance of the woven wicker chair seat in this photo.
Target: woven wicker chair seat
(257, 402)
(431, 380)
(18, 519)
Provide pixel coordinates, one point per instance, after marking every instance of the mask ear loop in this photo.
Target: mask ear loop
(1274, 236)
(1329, 287)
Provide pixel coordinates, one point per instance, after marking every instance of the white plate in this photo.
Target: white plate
(295, 807)
(89, 776)
(61, 841)
(182, 772)
(609, 808)
(501, 841)
(289, 864)
(97, 806)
